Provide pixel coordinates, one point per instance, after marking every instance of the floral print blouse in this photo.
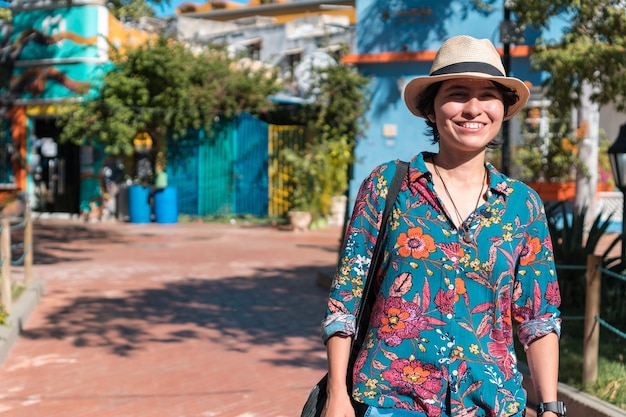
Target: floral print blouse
(440, 337)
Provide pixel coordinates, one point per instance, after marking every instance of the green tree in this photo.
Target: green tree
(164, 87)
(322, 167)
(134, 8)
(590, 50)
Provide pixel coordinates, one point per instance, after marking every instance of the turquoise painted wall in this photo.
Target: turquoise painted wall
(81, 22)
(63, 51)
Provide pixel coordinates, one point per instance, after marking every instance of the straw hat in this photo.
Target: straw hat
(466, 57)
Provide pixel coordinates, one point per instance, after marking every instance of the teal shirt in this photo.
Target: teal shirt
(440, 338)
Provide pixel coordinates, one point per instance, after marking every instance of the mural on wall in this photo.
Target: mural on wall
(70, 33)
(46, 56)
(31, 81)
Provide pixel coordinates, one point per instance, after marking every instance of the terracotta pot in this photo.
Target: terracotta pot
(554, 191)
(605, 187)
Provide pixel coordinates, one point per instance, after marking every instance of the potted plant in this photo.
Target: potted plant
(303, 189)
(546, 157)
(320, 174)
(321, 168)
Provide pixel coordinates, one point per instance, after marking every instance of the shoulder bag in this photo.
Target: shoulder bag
(317, 398)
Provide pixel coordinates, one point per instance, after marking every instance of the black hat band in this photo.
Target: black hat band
(461, 67)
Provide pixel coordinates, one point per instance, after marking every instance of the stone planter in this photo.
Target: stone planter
(337, 210)
(299, 220)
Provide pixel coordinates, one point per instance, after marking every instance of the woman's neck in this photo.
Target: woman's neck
(461, 168)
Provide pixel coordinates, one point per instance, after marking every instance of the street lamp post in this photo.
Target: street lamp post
(506, 62)
(617, 155)
(510, 32)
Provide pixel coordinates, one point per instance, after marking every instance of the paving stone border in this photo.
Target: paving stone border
(20, 312)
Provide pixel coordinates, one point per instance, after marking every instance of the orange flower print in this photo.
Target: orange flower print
(415, 374)
(530, 250)
(395, 320)
(415, 243)
(460, 289)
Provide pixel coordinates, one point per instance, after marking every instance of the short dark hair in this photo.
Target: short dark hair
(426, 105)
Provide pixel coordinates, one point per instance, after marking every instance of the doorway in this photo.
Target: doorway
(57, 173)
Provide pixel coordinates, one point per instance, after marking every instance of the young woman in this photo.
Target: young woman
(467, 256)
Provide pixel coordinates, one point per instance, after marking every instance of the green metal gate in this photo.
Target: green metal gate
(237, 169)
(201, 168)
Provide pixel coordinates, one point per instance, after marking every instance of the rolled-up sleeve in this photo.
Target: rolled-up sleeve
(361, 234)
(537, 297)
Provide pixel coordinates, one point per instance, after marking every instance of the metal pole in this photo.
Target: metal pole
(623, 260)
(592, 310)
(506, 62)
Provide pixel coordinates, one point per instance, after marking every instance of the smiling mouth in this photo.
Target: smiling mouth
(471, 125)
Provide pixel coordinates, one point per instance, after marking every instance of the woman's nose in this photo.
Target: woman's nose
(472, 107)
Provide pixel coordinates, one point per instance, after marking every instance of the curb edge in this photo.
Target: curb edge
(20, 313)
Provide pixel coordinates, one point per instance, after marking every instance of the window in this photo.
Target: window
(254, 50)
(291, 59)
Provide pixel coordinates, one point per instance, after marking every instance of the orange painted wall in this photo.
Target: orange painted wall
(125, 37)
(280, 16)
(19, 126)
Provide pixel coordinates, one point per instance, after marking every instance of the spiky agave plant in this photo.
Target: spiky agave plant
(573, 242)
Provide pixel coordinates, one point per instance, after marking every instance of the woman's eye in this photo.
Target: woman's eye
(491, 94)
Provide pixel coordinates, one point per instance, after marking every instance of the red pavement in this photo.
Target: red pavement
(183, 320)
(170, 320)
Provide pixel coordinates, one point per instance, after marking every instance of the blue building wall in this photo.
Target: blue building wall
(402, 30)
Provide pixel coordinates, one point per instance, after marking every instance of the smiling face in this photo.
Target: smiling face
(468, 114)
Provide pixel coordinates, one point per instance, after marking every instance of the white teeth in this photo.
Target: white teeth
(471, 125)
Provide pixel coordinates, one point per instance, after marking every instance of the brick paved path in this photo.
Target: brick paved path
(184, 320)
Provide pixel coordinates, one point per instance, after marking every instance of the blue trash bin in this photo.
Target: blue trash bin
(166, 205)
(139, 204)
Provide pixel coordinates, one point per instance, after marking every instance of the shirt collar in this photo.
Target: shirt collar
(499, 184)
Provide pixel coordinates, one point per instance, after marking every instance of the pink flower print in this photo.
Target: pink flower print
(499, 350)
(547, 243)
(357, 375)
(444, 300)
(553, 295)
(398, 320)
(416, 379)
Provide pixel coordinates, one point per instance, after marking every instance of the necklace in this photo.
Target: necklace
(468, 236)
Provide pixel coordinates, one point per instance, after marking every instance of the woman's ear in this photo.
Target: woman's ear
(431, 118)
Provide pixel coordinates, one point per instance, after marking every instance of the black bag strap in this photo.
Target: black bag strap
(367, 300)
